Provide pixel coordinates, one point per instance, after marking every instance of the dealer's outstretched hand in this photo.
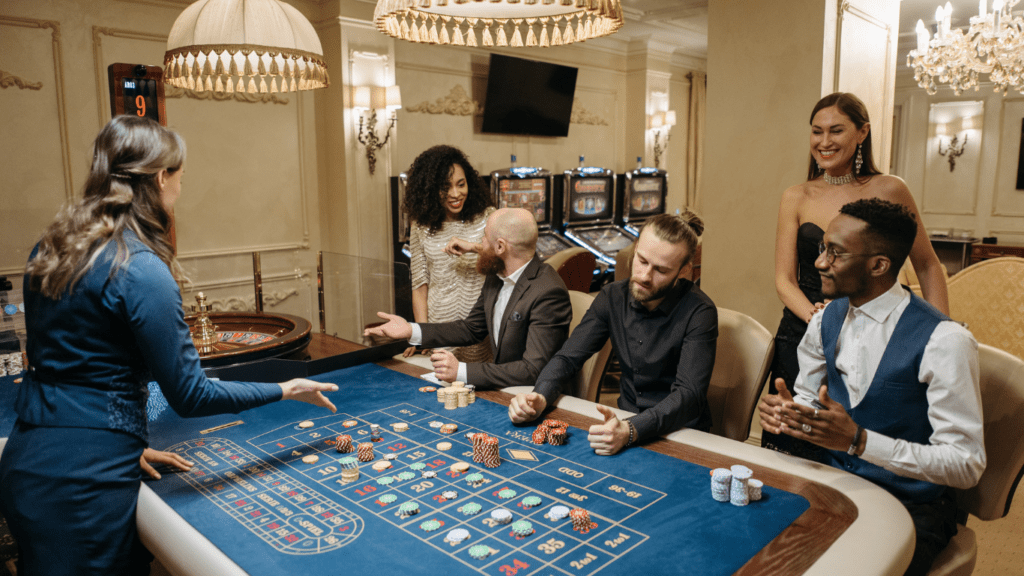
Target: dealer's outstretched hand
(526, 407)
(608, 438)
(308, 391)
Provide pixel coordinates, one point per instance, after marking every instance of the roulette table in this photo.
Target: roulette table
(253, 506)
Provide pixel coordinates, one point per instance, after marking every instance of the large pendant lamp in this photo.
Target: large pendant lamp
(513, 23)
(252, 46)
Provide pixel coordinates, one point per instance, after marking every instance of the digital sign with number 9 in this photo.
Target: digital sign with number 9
(140, 97)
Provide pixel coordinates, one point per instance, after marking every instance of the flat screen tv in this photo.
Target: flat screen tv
(528, 97)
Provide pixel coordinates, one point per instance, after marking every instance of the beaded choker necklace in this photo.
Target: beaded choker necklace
(839, 180)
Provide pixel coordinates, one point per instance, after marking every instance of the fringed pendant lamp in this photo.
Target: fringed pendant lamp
(252, 46)
(541, 23)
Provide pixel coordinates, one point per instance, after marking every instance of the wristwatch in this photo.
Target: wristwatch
(852, 450)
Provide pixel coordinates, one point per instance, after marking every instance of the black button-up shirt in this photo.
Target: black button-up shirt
(666, 355)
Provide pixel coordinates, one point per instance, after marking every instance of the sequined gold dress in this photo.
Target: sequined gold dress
(453, 282)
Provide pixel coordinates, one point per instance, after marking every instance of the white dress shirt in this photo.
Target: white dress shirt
(508, 285)
(955, 454)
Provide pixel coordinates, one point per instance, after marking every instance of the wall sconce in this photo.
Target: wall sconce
(658, 122)
(956, 147)
(374, 98)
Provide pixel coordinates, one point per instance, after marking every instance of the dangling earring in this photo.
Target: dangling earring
(859, 162)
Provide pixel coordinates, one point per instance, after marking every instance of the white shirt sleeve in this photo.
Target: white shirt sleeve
(955, 454)
(811, 357)
(462, 376)
(417, 334)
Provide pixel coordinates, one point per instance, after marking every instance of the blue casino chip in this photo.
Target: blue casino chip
(157, 403)
(10, 309)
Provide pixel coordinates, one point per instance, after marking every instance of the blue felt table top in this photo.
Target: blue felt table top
(255, 499)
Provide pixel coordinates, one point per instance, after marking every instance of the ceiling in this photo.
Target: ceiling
(682, 25)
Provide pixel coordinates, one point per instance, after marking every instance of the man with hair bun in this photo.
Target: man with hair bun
(888, 385)
(664, 330)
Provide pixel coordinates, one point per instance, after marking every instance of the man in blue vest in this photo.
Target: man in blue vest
(887, 384)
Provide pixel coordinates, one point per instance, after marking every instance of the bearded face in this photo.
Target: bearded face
(488, 262)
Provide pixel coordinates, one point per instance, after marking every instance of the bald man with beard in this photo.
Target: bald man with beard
(523, 310)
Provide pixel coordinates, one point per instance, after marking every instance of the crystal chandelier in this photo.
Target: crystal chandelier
(498, 22)
(993, 45)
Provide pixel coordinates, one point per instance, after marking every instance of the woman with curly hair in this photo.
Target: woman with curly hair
(104, 317)
(446, 198)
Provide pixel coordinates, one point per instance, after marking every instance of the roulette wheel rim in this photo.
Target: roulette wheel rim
(288, 335)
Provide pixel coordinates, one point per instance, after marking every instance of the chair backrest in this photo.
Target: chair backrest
(908, 277)
(1002, 399)
(624, 262)
(989, 297)
(575, 266)
(588, 380)
(743, 357)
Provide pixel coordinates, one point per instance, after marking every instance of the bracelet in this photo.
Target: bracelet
(632, 433)
(856, 441)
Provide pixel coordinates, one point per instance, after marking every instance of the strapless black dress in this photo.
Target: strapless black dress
(791, 331)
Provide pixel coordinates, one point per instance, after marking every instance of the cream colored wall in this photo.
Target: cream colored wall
(980, 196)
(763, 80)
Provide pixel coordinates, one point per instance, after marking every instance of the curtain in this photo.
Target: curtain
(695, 140)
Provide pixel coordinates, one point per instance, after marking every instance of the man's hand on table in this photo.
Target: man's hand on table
(526, 407)
(395, 328)
(446, 365)
(608, 438)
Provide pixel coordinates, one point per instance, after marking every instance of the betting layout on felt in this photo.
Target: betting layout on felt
(298, 515)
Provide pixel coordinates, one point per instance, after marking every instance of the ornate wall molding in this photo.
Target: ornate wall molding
(581, 115)
(456, 103)
(7, 80)
(58, 72)
(175, 92)
(248, 303)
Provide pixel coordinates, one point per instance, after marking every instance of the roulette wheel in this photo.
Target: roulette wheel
(226, 338)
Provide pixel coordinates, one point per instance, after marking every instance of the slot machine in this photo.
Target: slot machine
(532, 188)
(644, 192)
(589, 212)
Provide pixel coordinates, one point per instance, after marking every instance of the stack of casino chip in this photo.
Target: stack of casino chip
(558, 513)
(375, 432)
(457, 535)
(462, 397)
(522, 528)
(11, 364)
(408, 509)
(349, 469)
(501, 516)
(343, 444)
(506, 493)
(489, 454)
(442, 392)
(580, 520)
(480, 551)
(475, 480)
(364, 451)
(470, 508)
(449, 429)
(738, 492)
(721, 484)
(754, 489)
(451, 399)
(540, 435)
(430, 525)
(556, 431)
(471, 397)
(530, 502)
(556, 436)
(478, 440)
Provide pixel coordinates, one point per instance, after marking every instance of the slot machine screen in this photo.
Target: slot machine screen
(528, 193)
(590, 199)
(608, 240)
(645, 198)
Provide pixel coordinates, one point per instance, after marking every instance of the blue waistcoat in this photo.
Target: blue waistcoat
(896, 403)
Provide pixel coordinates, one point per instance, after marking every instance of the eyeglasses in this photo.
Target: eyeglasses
(831, 254)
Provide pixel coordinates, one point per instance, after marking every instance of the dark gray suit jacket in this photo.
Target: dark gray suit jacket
(534, 327)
